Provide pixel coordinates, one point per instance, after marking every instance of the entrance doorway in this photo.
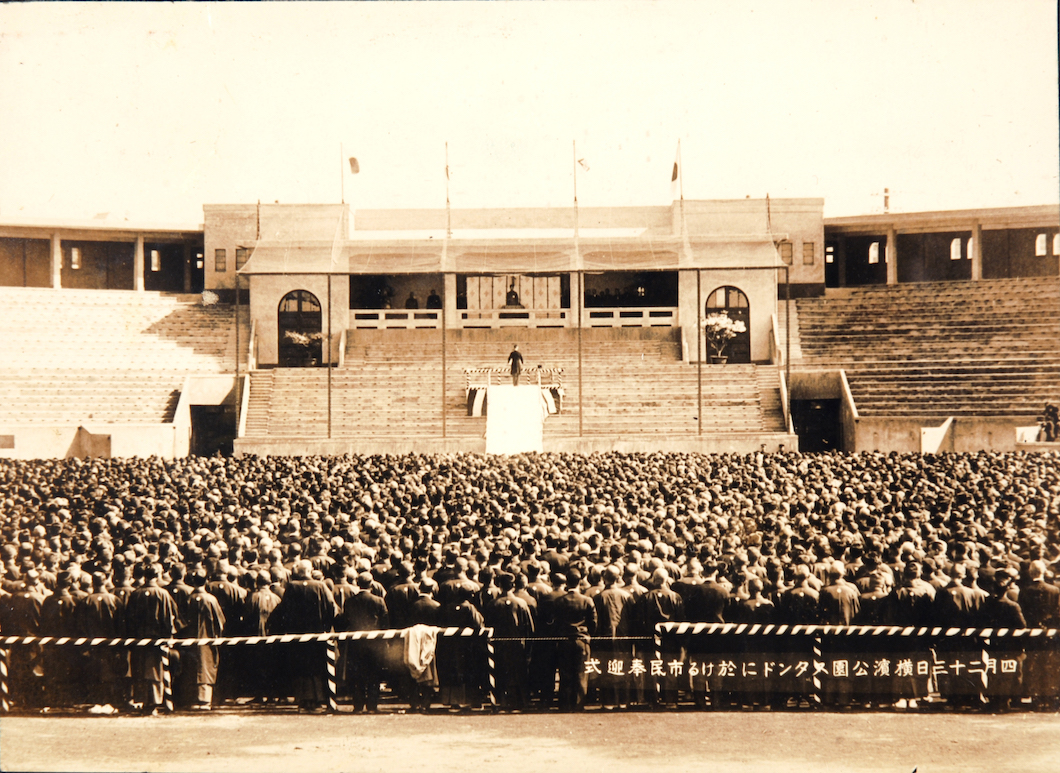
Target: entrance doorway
(298, 324)
(734, 303)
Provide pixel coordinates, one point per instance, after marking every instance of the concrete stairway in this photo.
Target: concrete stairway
(987, 348)
(391, 386)
(105, 356)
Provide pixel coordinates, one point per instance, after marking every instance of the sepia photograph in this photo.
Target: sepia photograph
(530, 386)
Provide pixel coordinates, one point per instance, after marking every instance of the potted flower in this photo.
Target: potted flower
(305, 345)
(720, 328)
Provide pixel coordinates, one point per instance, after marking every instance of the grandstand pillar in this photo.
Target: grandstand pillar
(187, 267)
(138, 264)
(449, 300)
(841, 260)
(977, 251)
(57, 261)
(891, 256)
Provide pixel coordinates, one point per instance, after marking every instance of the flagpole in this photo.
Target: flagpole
(574, 164)
(342, 174)
(448, 213)
(680, 176)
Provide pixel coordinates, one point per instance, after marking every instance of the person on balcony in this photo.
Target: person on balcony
(412, 302)
(434, 301)
(511, 300)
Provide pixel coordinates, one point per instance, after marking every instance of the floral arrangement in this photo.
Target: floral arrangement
(302, 339)
(719, 329)
(209, 298)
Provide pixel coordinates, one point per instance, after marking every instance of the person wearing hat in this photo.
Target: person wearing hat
(361, 662)
(63, 680)
(510, 618)
(307, 606)
(102, 615)
(21, 616)
(199, 663)
(150, 613)
(570, 617)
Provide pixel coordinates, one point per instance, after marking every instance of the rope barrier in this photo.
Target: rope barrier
(853, 630)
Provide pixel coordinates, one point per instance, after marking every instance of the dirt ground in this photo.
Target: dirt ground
(686, 741)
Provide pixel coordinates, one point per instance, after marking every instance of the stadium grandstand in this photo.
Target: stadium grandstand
(372, 518)
(387, 331)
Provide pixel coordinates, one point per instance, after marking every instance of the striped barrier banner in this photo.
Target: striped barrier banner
(168, 644)
(825, 664)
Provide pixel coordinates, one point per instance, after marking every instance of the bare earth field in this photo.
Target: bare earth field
(684, 741)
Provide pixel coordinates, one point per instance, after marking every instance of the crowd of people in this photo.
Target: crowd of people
(567, 558)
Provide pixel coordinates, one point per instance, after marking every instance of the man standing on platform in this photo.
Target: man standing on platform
(515, 360)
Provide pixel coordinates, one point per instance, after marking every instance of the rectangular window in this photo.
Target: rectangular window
(242, 256)
(198, 260)
(874, 253)
(1056, 244)
(786, 252)
(156, 260)
(75, 257)
(220, 261)
(807, 253)
(829, 255)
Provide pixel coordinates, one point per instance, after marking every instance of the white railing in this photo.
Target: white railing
(244, 403)
(400, 319)
(784, 405)
(848, 396)
(632, 316)
(776, 352)
(252, 347)
(493, 318)
(478, 378)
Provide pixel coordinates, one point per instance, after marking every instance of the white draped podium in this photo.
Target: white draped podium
(515, 420)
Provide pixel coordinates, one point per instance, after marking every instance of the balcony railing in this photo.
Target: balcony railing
(395, 319)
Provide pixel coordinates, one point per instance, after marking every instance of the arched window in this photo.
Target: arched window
(955, 249)
(298, 325)
(733, 302)
(1039, 246)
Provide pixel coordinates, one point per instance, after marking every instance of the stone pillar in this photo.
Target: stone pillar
(841, 260)
(452, 314)
(57, 262)
(187, 267)
(138, 264)
(977, 251)
(891, 256)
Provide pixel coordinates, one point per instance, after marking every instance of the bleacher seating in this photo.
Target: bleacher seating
(105, 356)
(391, 386)
(933, 350)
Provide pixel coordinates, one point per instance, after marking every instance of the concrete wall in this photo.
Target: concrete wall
(266, 293)
(742, 444)
(798, 221)
(758, 286)
(226, 227)
(903, 435)
(61, 441)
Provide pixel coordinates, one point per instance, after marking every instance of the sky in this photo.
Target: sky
(147, 111)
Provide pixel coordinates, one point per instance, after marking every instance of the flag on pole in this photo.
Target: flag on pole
(354, 166)
(676, 183)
